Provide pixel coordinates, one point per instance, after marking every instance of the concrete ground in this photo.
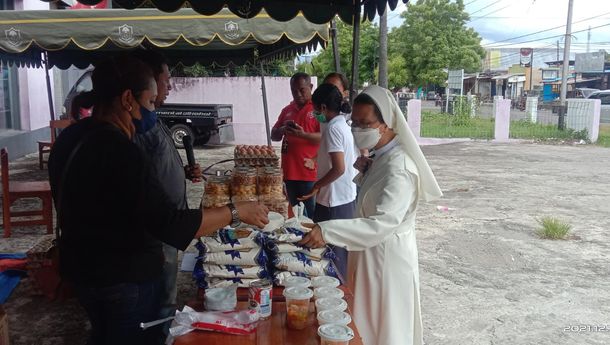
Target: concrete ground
(486, 277)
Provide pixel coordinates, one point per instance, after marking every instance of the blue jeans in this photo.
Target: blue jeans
(345, 211)
(167, 294)
(116, 311)
(297, 189)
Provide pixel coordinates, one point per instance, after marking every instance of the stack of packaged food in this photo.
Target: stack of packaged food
(231, 256)
(289, 259)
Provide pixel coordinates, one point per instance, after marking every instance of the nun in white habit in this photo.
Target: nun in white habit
(383, 265)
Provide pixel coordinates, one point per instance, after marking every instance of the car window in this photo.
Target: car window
(605, 99)
(594, 96)
(85, 84)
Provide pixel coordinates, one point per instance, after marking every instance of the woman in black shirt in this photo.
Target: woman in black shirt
(113, 213)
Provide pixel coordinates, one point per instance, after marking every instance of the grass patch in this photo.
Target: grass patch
(525, 129)
(439, 125)
(553, 228)
(604, 135)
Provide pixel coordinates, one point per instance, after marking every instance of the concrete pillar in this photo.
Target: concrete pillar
(502, 119)
(584, 114)
(414, 116)
(531, 109)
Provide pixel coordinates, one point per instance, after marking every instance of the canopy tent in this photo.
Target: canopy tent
(315, 11)
(81, 37)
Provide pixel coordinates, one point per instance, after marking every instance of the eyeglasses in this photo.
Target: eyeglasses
(366, 125)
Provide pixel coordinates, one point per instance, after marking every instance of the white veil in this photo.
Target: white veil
(394, 118)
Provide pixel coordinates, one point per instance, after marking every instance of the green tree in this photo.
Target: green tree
(434, 37)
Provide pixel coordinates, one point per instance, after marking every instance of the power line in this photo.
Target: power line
(481, 9)
(470, 2)
(550, 29)
(498, 10)
(549, 37)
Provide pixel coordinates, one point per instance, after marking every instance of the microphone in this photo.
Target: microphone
(188, 147)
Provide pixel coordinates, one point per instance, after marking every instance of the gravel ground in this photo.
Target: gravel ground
(486, 277)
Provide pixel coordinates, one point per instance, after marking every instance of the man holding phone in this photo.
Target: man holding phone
(299, 132)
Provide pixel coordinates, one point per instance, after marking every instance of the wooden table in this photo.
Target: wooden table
(272, 331)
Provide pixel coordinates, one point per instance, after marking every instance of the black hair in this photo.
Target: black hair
(329, 95)
(154, 59)
(300, 75)
(363, 98)
(110, 79)
(340, 76)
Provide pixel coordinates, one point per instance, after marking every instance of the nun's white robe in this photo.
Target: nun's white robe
(383, 265)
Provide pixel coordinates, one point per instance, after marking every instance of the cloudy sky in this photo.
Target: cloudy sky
(501, 22)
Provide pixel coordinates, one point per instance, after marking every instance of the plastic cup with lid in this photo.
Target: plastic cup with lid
(327, 291)
(330, 303)
(297, 306)
(296, 281)
(321, 281)
(334, 316)
(333, 334)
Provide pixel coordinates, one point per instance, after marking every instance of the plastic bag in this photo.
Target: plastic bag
(231, 239)
(286, 235)
(248, 257)
(241, 322)
(231, 271)
(314, 253)
(299, 262)
(208, 283)
(221, 299)
(299, 218)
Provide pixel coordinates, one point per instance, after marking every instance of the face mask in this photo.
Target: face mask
(149, 118)
(320, 117)
(366, 138)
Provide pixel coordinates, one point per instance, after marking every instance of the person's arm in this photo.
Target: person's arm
(298, 131)
(399, 191)
(337, 170)
(277, 132)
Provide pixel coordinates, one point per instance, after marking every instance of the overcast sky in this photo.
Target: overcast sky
(505, 20)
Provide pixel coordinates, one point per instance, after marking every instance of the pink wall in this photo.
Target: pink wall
(244, 93)
(33, 101)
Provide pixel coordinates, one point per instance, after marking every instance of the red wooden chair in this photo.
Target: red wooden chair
(12, 191)
(45, 146)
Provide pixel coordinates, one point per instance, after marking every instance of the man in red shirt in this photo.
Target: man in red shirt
(299, 131)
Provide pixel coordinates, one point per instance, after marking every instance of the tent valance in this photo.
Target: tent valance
(315, 11)
(73, 37)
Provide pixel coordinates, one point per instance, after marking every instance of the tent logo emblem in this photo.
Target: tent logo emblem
(232, 30)
(13, 36)
(125, 33)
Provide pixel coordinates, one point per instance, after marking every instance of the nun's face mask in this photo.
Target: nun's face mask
(366, 127)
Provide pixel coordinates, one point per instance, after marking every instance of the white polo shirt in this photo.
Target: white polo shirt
(337, 137)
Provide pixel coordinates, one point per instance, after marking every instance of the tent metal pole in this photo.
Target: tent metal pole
(355, 49)
(265, 106)
(333, 36)
(49, 91)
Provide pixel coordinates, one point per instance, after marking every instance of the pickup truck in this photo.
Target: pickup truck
(204, 122)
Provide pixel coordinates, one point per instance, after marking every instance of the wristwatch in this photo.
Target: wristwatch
(235, 221)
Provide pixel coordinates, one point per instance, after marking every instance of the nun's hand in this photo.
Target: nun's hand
(313, 239)
(363, 163)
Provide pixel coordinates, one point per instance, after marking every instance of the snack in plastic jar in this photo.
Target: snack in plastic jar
(327, 291)
(333, 334)
(325, 281)
(330, 303)
(334, 316)
(297, 306)
(297, 281)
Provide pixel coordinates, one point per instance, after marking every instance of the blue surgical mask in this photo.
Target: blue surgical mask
(148, 121)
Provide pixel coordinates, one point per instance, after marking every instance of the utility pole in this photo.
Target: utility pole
(589, 39)
(566, 66)
(336, 56)
(383, 49)
(531, 70)
(557, 50)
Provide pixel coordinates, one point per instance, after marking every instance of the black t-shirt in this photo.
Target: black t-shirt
(114, 212)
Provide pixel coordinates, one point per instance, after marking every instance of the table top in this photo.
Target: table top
(271, 331)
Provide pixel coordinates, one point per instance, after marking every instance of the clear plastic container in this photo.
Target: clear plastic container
(297, 306)
(321, 281)
(333, 334)
(243, 184)
(327, 291)
(330, 303)
(297, 281)
(334, 316)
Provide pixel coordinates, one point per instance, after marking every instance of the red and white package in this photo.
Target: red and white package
(241, 322)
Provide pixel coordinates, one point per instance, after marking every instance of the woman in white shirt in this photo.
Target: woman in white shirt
(335, 191)
(383, 266)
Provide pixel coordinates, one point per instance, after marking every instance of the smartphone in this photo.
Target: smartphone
(291, 124)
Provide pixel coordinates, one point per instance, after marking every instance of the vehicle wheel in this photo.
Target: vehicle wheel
(178, 132)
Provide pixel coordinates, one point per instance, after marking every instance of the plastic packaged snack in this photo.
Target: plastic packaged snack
(231, 239)
(297, 306)
(241, 322)
(299, 262)
(245, 257)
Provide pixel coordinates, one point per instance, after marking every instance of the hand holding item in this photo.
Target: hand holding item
(292, 128)
(313, 239)
(314, 191)
(309, 163)
(193, 173)
(253, 213)
(363, 163)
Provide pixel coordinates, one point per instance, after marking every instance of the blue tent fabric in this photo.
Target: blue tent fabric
(8, 282)
(12, 256)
